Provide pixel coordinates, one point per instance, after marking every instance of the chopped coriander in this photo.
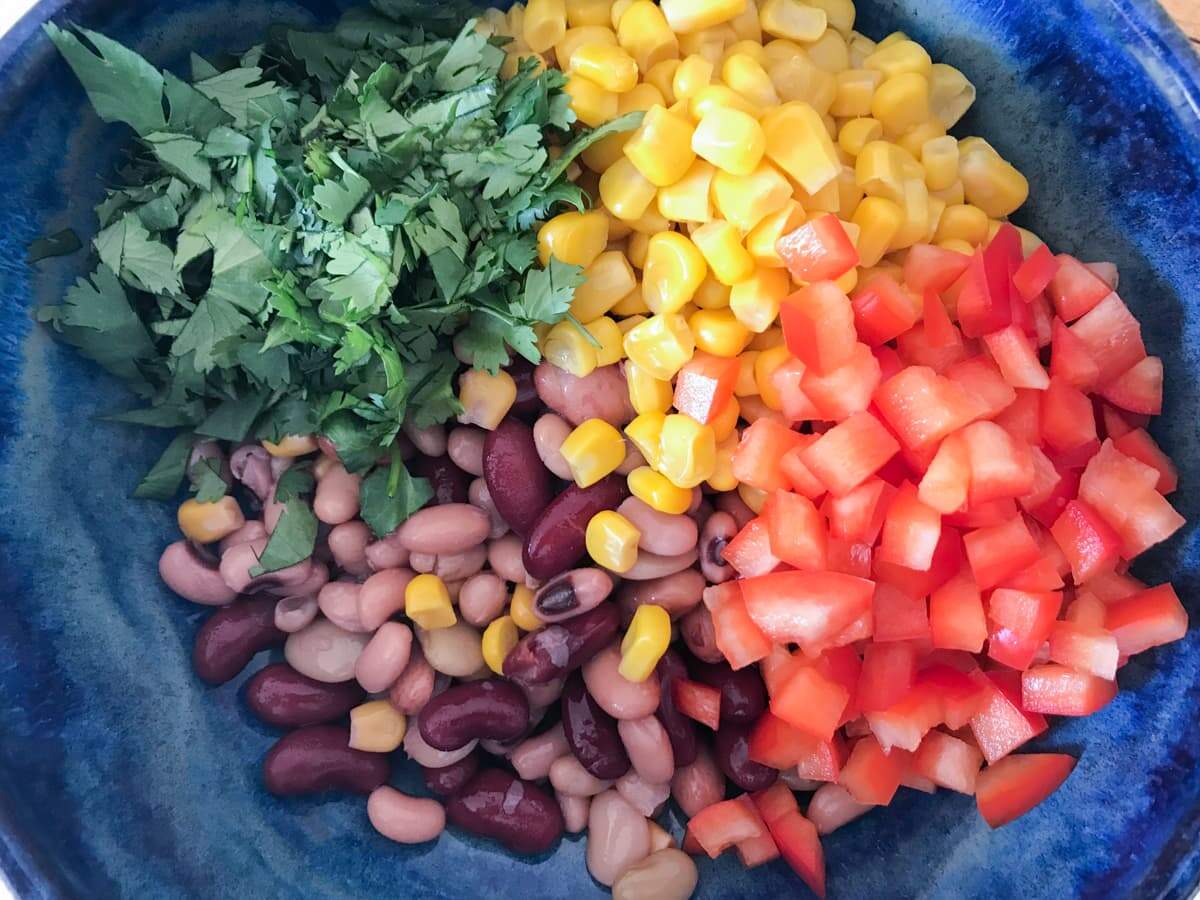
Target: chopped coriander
(207, 482)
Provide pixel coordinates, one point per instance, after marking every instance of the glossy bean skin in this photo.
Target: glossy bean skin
(557, 650)
(647, 797)
(543, 695)
(601, 395)
(574, 811)
(232, 635)
(618, 837)
(743, 694)
(324, 651)
(448, 481)
(478, 495)
(557, 541)
(194, 575)
(295, 613)
(240, 560)
(504, 557)
(568, 776)
(251, 465)
(348, 544)
(251, 531)
(678, 594)
(651, 565)
(517, 481)
(449, 780)
(429, 441)
(649, 748)
(617, 695)
(666, 874)
(460, 566)
(382, 596)
(571, 594)
(279, 695)
(464, 446)
(731, 747)
(412, 690)
(532, 757)
(336, 498)
(700, 635)
(549, 432)
(633, 459)
(387, 553)
(318, 758)
(493, 709)
(405, 819)
(661, 533)
(699, 784)
(339, 604)
(718, 531)
(518, 814)
(731, 503)
(449, 528)
(591, 733)
(528, 404)
(430, 757)
(384, 657)
(482, 599)
(455, 651)
(680, 729)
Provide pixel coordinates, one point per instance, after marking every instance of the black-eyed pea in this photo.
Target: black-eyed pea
(194, 575)
(549, 432)
(377, 727)
(325, 652)
(430, 441)
(251, 531)
(617, 695)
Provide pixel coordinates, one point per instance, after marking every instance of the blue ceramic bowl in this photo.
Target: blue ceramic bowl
(120, 775)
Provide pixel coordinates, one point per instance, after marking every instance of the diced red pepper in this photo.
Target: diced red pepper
(1123, 491)
(903, 724)
(948, 559)
(724, 824)
(704, 386)
(811, 702)
(1023, 417)
(807, 608)
(911, 531)
(794, 404)
(1147, 619)
(956, 619)
(1021, 623)
(697, 701)
(851, 559)
(1070, 358)
(858, 514)
(778, 666)
(818, 326)
(981, 378)
(1114, 585)
(1002, 726)
(800, 845)
(888, 673)
(948, 762)
(945, 485)
(1112, 336)
(984, 307)
(775, 802)
(843, 391)
(899, 616)
(930, 268)
(1075, 289)
(1043, 575)
(1035, 273)
(998, 551)
(1012, 787)
(1088, 611)
(882, 310)
(1051, 494)
(775, 743)
(1057, 690)
(1043, 320)
(841, 663)
(1017, 358)
(849, 453)
(939, 330)
(961, 695)
(1085, 648)
(740, 641)
(750, 550)
(819, 250)
(1139, 389)
(1068, 419)
(756, 460)
(1088, 542)
(1001, 466)
(756, 850)
(802, 480)
(1137, 444)
(797, 531)
(870, 775)
(923, 407)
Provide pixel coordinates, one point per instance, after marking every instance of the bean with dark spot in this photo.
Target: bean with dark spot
(743, 694)
(494, 709)
(562, 647)
(731, 747)
(679, 727)
(719, 530)
(592, 733)
(557, 540)
(517, 481)
(232, 635)
(571, 594)
(498, 805)
(319, 758)
(449, 780)
(279, 695)
(448, 481)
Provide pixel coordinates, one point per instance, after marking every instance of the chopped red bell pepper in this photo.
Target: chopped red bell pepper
(796, 530)
(704, 386)
(1147, 619)
(849, 453)
(870, 775)
(818, 326)
(811, 702)
(1088, 542)
(807, 608)
(697, 701)
(1012, 787)
(882, 310)
(1035, 272)
(740, 641)
(1054, 689)
(1021, 623)
(819, 250)
(948, 762)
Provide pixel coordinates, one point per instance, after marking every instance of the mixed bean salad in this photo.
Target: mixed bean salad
(609, 404)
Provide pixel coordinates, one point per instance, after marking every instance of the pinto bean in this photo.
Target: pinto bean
(517, 813)
(479, 496)
(482, 599)
(194, 575)
(279, 695)
(680, 729)
(602, 394)
(348, 544)
(460, 566)
(405, 819)
(633, 460)
(339, 604)
(336, 497)
(464, 446)
(430, 440)
(504, 557)
(574, 811)
(449, 780)
(549, 432)
(568, 776)
(649, 748)
(698, 785)
(493, 709)
(557, 540)
(324, 651)
(651, 565)
(412, 690)
(732, 751)
(666, 874)
(618, 837)
(431, 757)
(231, 636)
(422, 563)
(719, 530)
(319, 758)
(382, 596)
(448, 481)
(644, 796)
(700, 635)
(543, 695)
(318, 577)
(616, 694)
(295, 612)
(559, 649)
(517, 481)
(743, 694)
(384, 658)
(449, 528)
(678, 594)
(455, 651)
(661, 533)
(532, 757)
(387, 553)
(571, 594)
(591, 733)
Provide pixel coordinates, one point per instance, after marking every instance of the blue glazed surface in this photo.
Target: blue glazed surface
(121, 776)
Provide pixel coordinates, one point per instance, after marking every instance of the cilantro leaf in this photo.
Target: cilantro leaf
(163, 480)
(296, 481)
(548, 291)
(206, 479)
(60, 243)
(292, 541)
(388, 496)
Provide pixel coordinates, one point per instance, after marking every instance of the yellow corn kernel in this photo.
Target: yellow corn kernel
(797, 79)
(708, 44)
(588, 12)
(764, 365)
(619, 8)
(915, 138)
(599, 156)
(292, 445)
(900, 57)
(520, 609)
(792, 20)
(829, 52)
(711, 294)
(205, 523)
(693, 74)
(901, 102)
(661, 148)
(760, 242)
(617, 229)
(878, 220)
(798, 143)
(719, 96)
(752, 497)
(612, 541)
(847, 281)
(544, 24)
(950, 94)
(661, 345)
(635, 251)
(608, 66)
(608, 335)
(640, 99)
(645, 432)
(746, 386)
(594, 449)
(516, 21)
(957, 245)
(662, 76)
(593, 105)
(689, 198)
(631, 305)
(936, 208)
(721, 245)
(486, 399)
(916, 215)
(654, 489)
(685, 16)
(625, 192)
(951, 196)
(717, 331)
(939, 159)
(573, 237)
(606, 281)
(849, 193)
(962, 222)
(566, 347)
(827, 200)
(746, 26)
(729, 139)
(644, 32)
(746, 75)
(991, 182)
(860, 47)
(645, 642)
(839, 14)
(427, 602)
(745, 200)
(722, 478)
(894, 38)
(647, 394)
(855, 90)
(499, 638)
(377, 727)
(674, 269)
(753, 49)
(879, 170)
(779, 50)
(582, 36)
(650, 223)
(495, 19)
(755, 301)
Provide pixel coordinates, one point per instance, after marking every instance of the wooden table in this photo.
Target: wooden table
(1187, 14)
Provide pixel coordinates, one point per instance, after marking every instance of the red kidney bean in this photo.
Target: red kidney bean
(449, 528)
(743, 694)
(449, 780)
(494, 709)
(279, 695)
(718, 531)
(231, 636)
(517, 481)
(528, 403)
(557, 542)
(518, 814)
(677, 594)
(661, 533)
(559, 649)
(319, 758)
(699, 784)
(680, 729)
(592, 733)
(429, 757)
(731, 747)
(194, 575)
(414, 687)
(448, 481)
(571, 594)
(700, 635)
(533, 756)
(601, 395)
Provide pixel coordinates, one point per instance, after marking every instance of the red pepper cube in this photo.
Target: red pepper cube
(1017, 358)
(948, 762)
(724, 824)
(697, 701)
(1070, 358)
(1088, 542)
(758, 454)
(1035, 273)
(857, 516)
(982, 379)
(802, 480)
(930, 268)
(740, 641)
(704, 386)
(818, 326)
(807, 608)
(800, 845)
(1139, 389)
(797, 531)
(947, 482)
(982, 307)
(1001, 465)
(849, 453)
(1112, 336)
(819, 250)
(840, 393)
(883, 310)
(811, 702)
(1123, 491)
(1150, 618)
(755, 851)
(1058, 690)
(1001, 725)
(1068, 417)
(775, 802)
(1074, 289)
(923, 407)
(1012, 787)
(939, 330)
(1085, 647)
(871, 775)
(956, 617)
(888, 673)
(750, 550)
(1020, 623)
(1137, 444)
(998, 551)
(911, 531)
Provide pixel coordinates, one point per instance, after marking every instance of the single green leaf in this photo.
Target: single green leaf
(296, 481)
(163, 480)
(206, 479)
(548, 292)
(60, 243)
(232, 419)
(355, 447)
(383, 510)
(292, 541)
(127, 248)
(182, 156)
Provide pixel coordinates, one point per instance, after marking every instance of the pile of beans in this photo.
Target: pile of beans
(546, 736)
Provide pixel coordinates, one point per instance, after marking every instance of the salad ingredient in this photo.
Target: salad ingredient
(405, 819)
(231, 636)
(319, 758)
(280, 696)
(518, 814)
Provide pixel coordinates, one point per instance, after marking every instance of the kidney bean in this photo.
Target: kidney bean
(319, 758)
(430, 440)
(743, 694)
(211, 450)
(549, 432)
(449, 780)
(387, 553)
(649, 748)
(296, 612)
(460, 566)
(651, 565)
(532, 757)
(677, 594)
(237, 563)
(662, 533)
(251, 531)
(556, 542)
(618, 837)
(231, 636)
(591, 733)
(601, 395)
(336, 497)
(279, 695)
(559, 649)
(518, 814)
(493, 709)
(482, 599)
(382, 596)
(448, 481)
(412, 690)
(430, 757)
(324, 651)
(464, 446)
(574, 811)
(568, 776)
(405, 819)
(571, 594)
(348, 545)
(517, 481)
(479, 496)
(505, 558)
(251, 465)
(700, 635)
(449, 528)
(456, 651)
(384, 658)
(699, 784)
(731, 503)
(731, 747)
(339, 604)
(644, 796)
(680, 729)
(666, 874)
(528, 404)
(832, 806)
(616, 694)
(194, 575)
